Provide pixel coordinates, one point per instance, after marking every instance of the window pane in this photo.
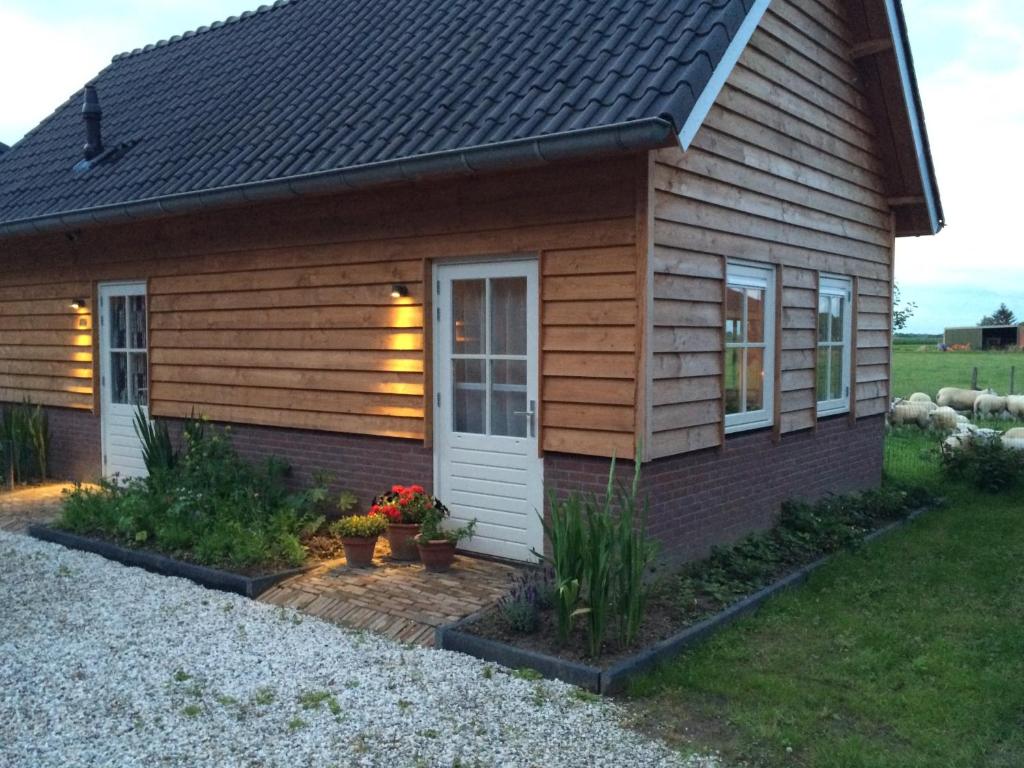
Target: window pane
(139, 389)
(508, 394)
(838, 310)
(119, 377)
(733, 315)
(508, 316)
(755, 379)
(469, 396)
(137, 322)
(733, 364)
(755, 315)
(468, 316)
(824, 310)
(118, 322)
(823, 375)
(837, 385)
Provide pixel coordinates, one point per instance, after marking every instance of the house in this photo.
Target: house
(487, 245)
(986, 337)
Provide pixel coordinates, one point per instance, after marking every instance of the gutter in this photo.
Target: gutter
(649, 133)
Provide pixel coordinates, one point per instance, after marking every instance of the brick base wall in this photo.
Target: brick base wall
(75, 452)
(363, 464)
(716, 496)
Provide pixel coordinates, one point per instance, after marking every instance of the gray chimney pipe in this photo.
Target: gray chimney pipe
(91, 114)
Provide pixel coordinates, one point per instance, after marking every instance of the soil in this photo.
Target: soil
(667, 614)
(665, 617)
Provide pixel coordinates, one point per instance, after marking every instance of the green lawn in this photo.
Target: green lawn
(930, 370)
(906, 653)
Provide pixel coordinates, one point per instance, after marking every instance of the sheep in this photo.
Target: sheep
(944, 417)
(1014, 439)
(956, 442)
(960, 399)
(989, 406)
(1015, 405)
(909, 413)
(919, 397)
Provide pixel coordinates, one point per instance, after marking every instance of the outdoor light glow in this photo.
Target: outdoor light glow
(399, 292)
(77, 304)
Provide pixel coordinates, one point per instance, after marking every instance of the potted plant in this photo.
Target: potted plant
(436, 543)
(359, 537)
(405, 508)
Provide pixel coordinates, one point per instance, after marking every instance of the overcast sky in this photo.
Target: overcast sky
(970, 63)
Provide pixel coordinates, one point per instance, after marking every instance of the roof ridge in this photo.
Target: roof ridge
(220, 24)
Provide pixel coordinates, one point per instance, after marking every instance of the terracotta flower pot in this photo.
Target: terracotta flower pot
(402, 538)
(437, 556)
(359, 550)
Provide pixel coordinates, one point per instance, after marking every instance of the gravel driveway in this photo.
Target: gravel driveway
(102, 665)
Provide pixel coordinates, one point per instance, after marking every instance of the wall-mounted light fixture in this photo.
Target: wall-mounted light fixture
(77, 304)
(399, 292)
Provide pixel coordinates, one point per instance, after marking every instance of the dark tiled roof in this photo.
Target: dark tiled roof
(310, 86)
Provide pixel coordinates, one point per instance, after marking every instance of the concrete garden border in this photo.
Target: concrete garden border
(611, 679)
(224, 581)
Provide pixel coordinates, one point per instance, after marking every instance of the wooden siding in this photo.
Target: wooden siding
(784, 171)
(281, 315)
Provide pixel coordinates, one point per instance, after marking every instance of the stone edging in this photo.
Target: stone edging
(611, 679)
(225, 581)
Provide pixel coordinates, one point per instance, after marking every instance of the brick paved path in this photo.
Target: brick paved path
(400, 600)
(29, 504)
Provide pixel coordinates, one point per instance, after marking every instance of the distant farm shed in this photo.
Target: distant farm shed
(986, 337)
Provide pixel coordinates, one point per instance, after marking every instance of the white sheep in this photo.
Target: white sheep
(919, 397)
(944, 418)
(1015, 405)
(990, 406)
(956, 442)
(1014, 439)
(909, 413)
(960, 399)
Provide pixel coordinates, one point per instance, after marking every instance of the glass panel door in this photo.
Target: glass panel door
(489, 357)
(127, 350)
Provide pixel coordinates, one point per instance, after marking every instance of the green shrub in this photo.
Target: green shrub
(431, 528)
(359, 526)
(565, 535)
(209, 506)
(988, 465)
(600, 553)
(158, 453)
(25, 440)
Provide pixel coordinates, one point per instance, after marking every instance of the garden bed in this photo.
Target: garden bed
(667, 629)
(251, 583)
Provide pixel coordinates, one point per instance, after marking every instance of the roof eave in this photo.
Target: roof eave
(915, 114)
(637, 135)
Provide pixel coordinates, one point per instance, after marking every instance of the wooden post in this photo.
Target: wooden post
(1013, 377)
(974, 377)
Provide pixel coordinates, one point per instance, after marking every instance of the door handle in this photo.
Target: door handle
(530, 416)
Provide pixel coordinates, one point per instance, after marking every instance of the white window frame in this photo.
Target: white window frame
(750, 275)
(842, 287)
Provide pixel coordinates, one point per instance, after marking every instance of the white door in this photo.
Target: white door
(124, 376)
(487, 465)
